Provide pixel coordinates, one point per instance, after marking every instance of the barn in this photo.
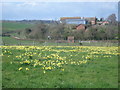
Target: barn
(81, 27)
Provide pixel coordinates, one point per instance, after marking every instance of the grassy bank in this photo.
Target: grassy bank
(14, 26)
(12, 41)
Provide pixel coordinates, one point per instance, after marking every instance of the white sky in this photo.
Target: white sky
(54, 9)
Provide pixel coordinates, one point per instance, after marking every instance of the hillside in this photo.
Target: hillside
(14, 26)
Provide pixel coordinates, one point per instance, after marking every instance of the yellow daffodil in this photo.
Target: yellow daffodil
(20, 68)
(27, 69)
(62, 69)
(44, 72)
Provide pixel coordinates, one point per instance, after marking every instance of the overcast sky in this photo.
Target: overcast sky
(55, 10)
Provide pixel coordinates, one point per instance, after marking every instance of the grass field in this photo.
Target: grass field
(59, 67)
(14, 26)
(12, 41)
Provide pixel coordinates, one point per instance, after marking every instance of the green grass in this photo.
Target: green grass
(100, 71)
(14, 26)
(12, 41)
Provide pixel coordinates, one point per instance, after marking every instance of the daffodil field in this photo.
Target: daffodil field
(59, 67)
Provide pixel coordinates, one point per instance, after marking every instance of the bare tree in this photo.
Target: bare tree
(112, 19)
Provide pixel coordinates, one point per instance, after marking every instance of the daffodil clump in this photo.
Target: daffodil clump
(50, 58)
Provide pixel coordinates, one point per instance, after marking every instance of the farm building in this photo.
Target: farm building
(91, 20)
(99, 23)
(70, 39)
(64, 18)
(78, 20)
(103, 23)
(80, 27)
(73, 20)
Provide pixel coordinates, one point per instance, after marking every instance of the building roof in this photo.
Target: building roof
(84, 18)
(63, 18)
(90, 18)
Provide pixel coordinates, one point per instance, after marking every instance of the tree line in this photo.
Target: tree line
(60, 31)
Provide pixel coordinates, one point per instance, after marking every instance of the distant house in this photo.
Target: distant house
(70, 39)
(91, 20)
(73, 20)
(99, 23)
(103, 23)
(81, 27)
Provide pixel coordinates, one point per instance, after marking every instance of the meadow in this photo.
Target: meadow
(11, 41)
(14, 26)
(59, 67)
(35, 64)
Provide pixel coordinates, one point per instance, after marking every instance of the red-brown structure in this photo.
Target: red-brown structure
(80, 27)
(70, 39)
